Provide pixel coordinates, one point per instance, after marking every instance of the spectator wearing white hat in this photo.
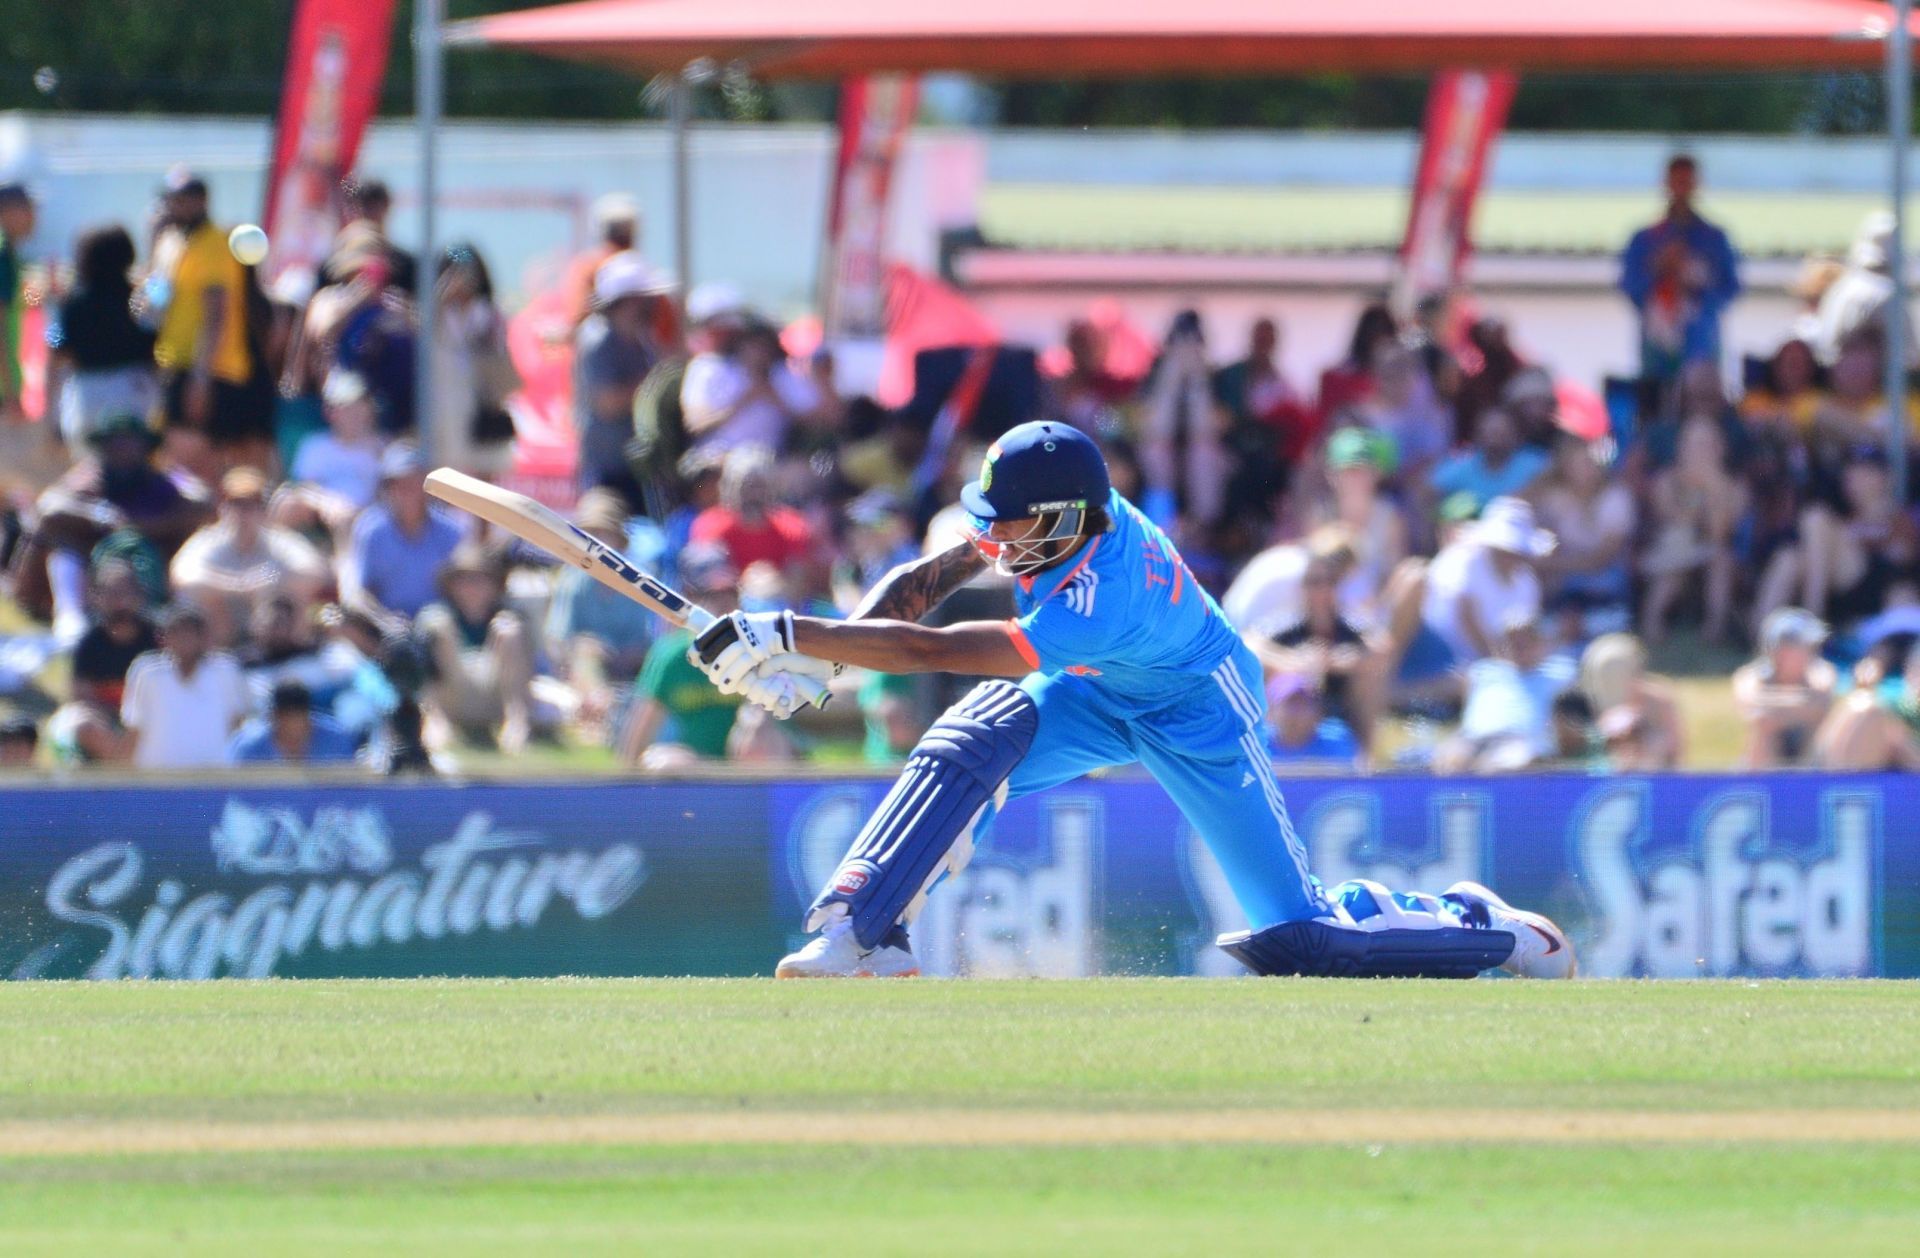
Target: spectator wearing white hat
(739, 390)
(1450, 611)
(342, 460)
(616, 230)
(613, 352)
(1786, 691)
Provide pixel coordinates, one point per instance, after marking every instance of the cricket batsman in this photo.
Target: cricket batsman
(1121, 657)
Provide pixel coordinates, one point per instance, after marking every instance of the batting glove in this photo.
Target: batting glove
(733, 646)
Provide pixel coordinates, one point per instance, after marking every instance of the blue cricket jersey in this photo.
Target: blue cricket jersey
(1125, 613)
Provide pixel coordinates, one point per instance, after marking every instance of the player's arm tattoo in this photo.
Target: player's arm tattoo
(914, 589)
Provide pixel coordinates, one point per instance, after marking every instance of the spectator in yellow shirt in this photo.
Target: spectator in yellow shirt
(197, 293)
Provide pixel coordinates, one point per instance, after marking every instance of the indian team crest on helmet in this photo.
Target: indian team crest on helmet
(986, 467)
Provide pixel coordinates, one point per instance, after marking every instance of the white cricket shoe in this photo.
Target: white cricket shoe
(1540, 949)
(834, 953)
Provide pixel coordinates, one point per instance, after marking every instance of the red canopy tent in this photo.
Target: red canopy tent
(1053, 38)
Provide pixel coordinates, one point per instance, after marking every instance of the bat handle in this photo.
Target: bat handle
(698, 619)
(813, 692)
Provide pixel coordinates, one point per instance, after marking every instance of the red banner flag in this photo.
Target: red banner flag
(336, 59)
(1465, 112)
(875, 113)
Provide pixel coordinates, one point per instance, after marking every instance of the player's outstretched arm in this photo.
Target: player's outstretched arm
(913, 589)
(976, 648)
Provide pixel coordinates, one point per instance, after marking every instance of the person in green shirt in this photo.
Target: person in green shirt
(679, 717)
(16, 224)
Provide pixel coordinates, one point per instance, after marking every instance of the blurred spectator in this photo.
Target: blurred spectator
(1530, 399)
(1639, 719)
(1492, 366)
(746, 395)
(17, 218)
(751, 528)
(291, 733)
(279, 646)
(198, 292)
(1847, 559)
(1576, 738)
(1496, 466)
(1087, 390)
(1324, 645)
(1432, 338)
(1789, 398)
(613, 352)
(616, 229)
(481, 654)
(393, 558)
(19, 742)
(1696, 506)
(1350, 381)
(1270, 424)
(1855, 411)
(1587, 578)
(1302, 732)
(597, 637)
(86, 729)
(369, 325)
(101, 357)
(680, 718)
(1404, 409)
(1180, 432)
(1783, 694)
(1268, 595)
(1876, 727)
(1506, 723)
(1857, 297)
(118, 496)
(1357, 462)
(473, 376)
(363, 235)
(343, 460)
(1681, 273)
(1450, 612)
(232, 563)
(183, 701)
(879, 539)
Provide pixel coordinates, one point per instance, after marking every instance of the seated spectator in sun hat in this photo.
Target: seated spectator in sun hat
(291, 732)
(343, 459)
(1359, 462)
(393, 557)
(1786, 691)
(481, 651)
(1451, 613)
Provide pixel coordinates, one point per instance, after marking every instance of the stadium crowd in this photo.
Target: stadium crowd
(231, 558)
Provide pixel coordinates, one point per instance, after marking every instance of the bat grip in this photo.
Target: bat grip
(699, 619)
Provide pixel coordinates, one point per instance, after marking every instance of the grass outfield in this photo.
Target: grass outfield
(1149, 1116)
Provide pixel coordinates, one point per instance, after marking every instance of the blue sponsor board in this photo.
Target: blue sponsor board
(1668, 876)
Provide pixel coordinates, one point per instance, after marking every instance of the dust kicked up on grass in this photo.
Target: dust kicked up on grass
(971, 1128)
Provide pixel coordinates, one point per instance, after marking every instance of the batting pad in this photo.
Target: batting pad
(1332, 950)
(924, 829)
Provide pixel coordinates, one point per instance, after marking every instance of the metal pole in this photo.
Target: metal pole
(682, 111)
(426, 119)
(1899, 131)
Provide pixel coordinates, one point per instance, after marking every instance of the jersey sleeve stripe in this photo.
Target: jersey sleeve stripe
(1020, 644)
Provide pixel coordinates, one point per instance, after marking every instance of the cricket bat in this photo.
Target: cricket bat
(539, 525)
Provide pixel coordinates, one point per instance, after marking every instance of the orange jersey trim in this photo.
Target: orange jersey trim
(1020, 644)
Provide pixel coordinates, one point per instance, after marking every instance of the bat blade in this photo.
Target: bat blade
(538, 525)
